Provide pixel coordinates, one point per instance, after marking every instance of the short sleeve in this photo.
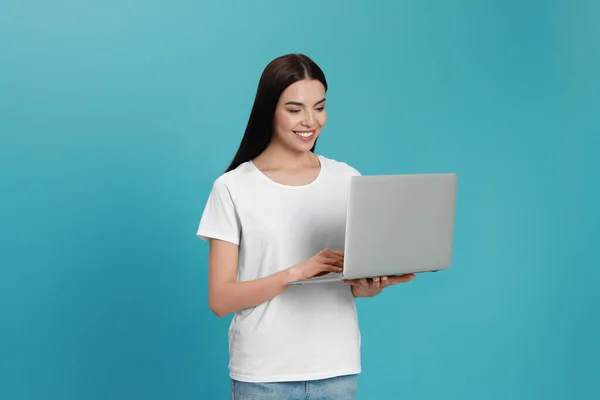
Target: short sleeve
(352, 171)
(219, 219)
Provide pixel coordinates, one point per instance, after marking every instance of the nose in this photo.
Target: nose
(309, 119)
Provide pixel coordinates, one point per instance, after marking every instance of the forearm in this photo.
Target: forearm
(233, 296)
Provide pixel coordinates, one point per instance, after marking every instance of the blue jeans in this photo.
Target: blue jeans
(338, 388)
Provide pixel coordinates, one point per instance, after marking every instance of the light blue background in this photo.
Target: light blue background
(116, 116)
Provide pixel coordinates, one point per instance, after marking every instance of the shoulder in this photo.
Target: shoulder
(230, 180)
(229, 186)
(339, 167)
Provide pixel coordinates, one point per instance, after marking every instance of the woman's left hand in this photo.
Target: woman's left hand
(368, 287)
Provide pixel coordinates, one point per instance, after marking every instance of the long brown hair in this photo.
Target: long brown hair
(277, 76)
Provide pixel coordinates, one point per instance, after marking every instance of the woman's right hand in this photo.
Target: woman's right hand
(322, 263)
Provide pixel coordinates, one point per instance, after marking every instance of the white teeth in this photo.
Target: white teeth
(304, 134)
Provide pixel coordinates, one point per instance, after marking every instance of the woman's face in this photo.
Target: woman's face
(300, 115)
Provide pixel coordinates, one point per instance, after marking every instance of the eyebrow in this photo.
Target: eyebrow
(295, 103)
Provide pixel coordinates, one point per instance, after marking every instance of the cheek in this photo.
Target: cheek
(322, 118)
(285, 121)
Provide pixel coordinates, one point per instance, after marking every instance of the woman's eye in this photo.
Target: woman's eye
(294, 111)
(320, 108)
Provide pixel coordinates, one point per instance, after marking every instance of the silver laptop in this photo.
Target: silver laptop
(396, 225)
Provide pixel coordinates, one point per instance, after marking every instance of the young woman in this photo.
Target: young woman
(275, 216)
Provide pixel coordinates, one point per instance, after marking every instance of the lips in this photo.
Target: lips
(305, 135)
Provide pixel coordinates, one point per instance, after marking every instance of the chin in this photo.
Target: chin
(304, 146)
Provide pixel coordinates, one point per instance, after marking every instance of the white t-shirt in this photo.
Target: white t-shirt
(309, 331)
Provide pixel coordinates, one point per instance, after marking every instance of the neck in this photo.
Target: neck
(276, 156)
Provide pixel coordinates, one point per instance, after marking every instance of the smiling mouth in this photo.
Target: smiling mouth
(305, 134)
